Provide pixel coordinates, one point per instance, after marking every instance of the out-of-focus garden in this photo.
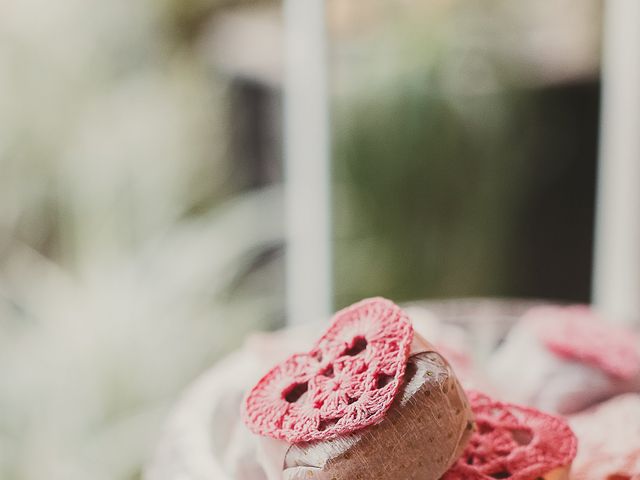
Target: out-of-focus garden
(141, 215)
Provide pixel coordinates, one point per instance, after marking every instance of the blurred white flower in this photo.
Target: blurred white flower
(112, 294)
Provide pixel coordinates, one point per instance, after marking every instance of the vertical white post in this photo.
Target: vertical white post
(616, 285)
(307, 162)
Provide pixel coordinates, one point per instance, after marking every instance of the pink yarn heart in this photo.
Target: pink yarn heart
(346, 382)
(578, 333)
(512, 442)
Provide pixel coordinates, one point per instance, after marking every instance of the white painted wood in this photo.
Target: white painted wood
(616, 285)
(307, 162)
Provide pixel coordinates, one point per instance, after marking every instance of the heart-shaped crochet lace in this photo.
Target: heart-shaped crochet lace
(578, 333)
(513, 442)
(346, 382)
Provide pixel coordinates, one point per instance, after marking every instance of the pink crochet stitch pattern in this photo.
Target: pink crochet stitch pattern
(578, 333)
(512, 442)
(346, 382)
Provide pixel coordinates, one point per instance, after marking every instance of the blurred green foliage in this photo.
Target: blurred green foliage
(448, 196)
(431, 194)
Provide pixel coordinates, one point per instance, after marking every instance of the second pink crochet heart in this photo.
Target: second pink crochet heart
(513, 442)
(346, 382)
(578, 333)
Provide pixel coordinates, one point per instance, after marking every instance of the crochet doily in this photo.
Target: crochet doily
(512, 442)
(578, 333)
(346, 382)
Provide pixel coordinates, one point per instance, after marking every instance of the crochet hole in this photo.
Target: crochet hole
(502, 474)
(317, 355)
(295, 391)
(326, 423)
(351, 400)
(483, 428)
(382, 380)
(357, 345)
(522, 437)
(327, 371)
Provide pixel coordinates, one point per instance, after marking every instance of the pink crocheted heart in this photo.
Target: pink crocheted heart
(578, 333)
(346, 382)
(512, 442)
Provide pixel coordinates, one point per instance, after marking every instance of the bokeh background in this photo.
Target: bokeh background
(141, 211)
